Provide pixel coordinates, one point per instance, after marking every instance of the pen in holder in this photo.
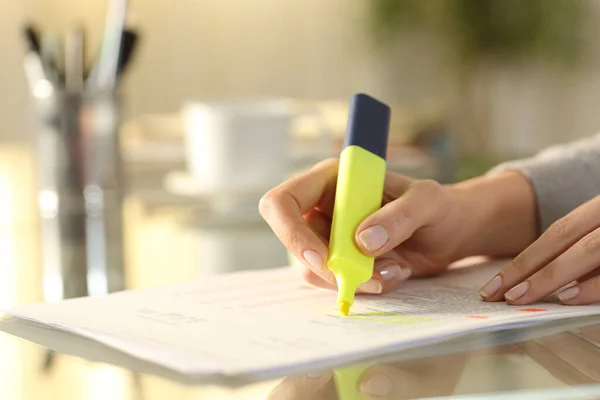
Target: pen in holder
(80, 194)
(80, 176)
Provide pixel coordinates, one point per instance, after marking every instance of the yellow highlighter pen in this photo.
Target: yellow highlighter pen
(359, 192)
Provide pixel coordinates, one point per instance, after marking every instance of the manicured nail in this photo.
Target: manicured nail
(377, 385)
(570, 293)
(491, 287)
(374, 238)
(394, 272)
(389, 272)
(404, 273)
(372, 286)
(313, 258)
(517, 292)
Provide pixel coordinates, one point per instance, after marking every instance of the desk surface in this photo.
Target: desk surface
(560, 360)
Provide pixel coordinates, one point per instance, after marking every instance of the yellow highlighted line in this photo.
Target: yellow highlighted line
(389, 318)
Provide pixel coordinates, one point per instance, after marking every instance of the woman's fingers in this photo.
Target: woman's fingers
(582, 258)
(387, 277)
(586, 292)
(390, 272)
(319, 223)
(589, 275)
(311, 277)
(299, 212)
(387, 273)
(284, 207)
(565, 252)
(395, 222)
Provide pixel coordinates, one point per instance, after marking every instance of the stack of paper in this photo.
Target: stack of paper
(270, 323)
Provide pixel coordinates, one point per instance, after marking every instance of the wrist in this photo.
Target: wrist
(498, 215)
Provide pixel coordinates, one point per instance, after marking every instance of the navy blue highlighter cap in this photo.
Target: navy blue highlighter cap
(369, 125)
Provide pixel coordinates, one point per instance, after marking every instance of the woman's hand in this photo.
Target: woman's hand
(567, 253)
(421, 228)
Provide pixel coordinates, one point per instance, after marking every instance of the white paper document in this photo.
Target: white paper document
(270, 323)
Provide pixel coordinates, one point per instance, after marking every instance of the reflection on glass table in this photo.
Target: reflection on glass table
(552, 361)
(558, 366)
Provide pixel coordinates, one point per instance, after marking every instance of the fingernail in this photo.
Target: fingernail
(389, 272)
(570, 293)
(517, 292)
(404, 274)
(377, 385)
(374, 238)
(491, 287)
(371, 286)
(394, 272)
(313, 258)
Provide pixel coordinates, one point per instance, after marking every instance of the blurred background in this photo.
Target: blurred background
(138, 136)
(142, 133)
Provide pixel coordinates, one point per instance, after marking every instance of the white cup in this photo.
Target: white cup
(241, 147)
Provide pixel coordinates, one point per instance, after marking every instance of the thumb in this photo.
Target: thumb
(396, 221)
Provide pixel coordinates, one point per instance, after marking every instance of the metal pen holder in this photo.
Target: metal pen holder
(80, 194)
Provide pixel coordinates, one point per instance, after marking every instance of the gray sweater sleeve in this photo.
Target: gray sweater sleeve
(563, 177)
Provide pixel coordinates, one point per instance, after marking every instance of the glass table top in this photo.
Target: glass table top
(170, 244)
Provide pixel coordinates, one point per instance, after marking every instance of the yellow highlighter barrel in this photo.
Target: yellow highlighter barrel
(359, 193)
